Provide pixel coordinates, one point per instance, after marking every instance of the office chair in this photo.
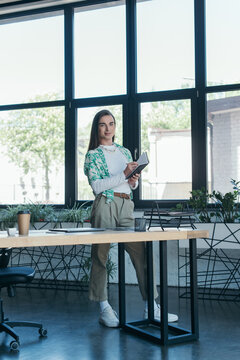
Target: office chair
(10, 276)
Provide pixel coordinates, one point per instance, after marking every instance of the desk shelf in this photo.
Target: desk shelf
(169, 219)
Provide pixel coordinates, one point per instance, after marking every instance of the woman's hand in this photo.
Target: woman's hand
(132, 181)
(130, 167)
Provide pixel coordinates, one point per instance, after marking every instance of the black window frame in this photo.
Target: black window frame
(131, 100)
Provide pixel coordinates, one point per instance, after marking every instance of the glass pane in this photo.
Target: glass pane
(222, 36)
(85, 118)
(165, 45)
(100, 54)
(32, 156)
(223, 111)
(166, 136)
(31, 61)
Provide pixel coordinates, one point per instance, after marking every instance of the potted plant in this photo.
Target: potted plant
(42, 215)
(218, 258)
(39, 213)
(221, 213)
(216, 206)
(76, 215)
(199, 202)
(8, 218)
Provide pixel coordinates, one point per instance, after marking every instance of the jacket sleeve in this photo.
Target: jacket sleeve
(108, 183)
(90, 168)
(96, 181)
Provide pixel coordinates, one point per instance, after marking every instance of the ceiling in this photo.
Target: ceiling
(7, 7)
(8, 2)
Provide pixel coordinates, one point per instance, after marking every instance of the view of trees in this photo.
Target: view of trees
(171, 115)
(34, 138)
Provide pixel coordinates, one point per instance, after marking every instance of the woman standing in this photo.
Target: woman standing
(107, 165)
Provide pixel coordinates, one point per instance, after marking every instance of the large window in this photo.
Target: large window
(165, 45)
(100, 50)
(223, 116)
(31, 61)
(32, 156)
(166, 136)
(167, 69)
(222, 37)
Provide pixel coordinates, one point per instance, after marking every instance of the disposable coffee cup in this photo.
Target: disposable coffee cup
(140, 224)
(23, 222)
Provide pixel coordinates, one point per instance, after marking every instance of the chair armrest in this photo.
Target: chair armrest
(5, 255)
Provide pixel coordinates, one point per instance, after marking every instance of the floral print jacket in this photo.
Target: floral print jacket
(95, 167)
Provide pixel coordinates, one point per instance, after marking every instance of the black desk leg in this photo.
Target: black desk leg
(150, 285)
(193, 287)
(121, 284)
(163, 292)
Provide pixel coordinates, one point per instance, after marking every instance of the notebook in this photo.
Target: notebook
(75, 230)
(142, 163)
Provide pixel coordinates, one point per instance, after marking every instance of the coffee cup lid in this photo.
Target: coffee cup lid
(24, 212)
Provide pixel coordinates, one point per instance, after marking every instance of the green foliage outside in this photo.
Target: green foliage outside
(221, 95)
(34, 138)
(168, 115)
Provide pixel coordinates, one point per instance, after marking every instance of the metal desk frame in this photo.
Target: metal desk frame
(168, 334)
(38, 238)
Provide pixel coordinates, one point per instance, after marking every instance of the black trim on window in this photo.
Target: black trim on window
(132, 100)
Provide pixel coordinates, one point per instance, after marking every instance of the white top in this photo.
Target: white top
(116, 163)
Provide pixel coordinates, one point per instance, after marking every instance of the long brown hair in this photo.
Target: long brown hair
(94, 141)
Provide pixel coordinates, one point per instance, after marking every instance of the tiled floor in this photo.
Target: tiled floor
(74, 331)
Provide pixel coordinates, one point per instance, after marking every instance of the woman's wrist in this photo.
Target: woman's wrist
(133, 185)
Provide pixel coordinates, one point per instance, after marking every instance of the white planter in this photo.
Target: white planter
(68, 225)
(221, 236)
(217, 259)
(44, 225)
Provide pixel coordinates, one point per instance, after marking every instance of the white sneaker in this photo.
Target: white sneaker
(157, 315)
(108, 317)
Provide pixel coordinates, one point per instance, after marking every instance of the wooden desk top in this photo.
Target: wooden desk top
(47, 238)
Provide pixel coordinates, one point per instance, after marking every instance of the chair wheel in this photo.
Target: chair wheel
(14, 345)
(42, 332)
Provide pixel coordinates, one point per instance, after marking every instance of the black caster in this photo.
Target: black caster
(42, 332)
(14, 346)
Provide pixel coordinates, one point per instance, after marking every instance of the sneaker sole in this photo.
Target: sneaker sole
(108, 325)
(175, 319)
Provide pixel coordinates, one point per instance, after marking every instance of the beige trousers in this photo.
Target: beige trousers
(117, 213)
